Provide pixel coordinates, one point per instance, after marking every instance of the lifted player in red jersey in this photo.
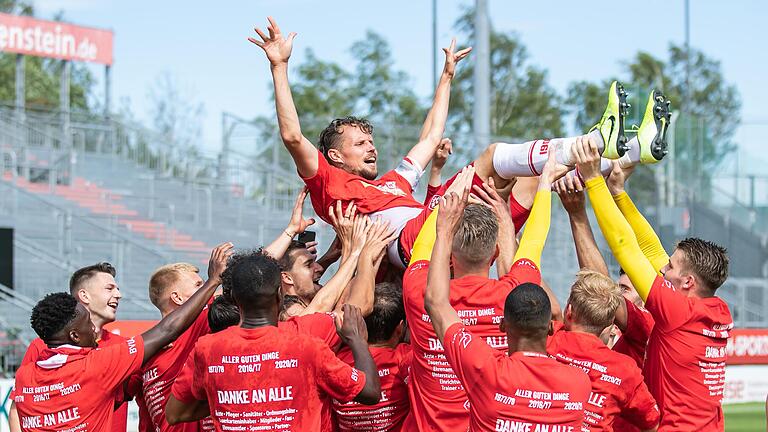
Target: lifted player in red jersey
(259, 374)
(344, 168)
(522, 389)
(685, 361)
(72, 383)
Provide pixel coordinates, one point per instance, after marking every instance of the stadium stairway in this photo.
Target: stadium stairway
(113, 210)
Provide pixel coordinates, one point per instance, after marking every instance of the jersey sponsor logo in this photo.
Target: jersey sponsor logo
(466, 338)
(389, 188)
(433, 202)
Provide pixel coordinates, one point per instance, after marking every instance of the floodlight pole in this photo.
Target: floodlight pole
(481, 122)
(107, 90)
(64, 100)
(20, 77)
(434, 44)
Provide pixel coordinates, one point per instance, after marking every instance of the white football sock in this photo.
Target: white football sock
(632, 156)
(528, 159)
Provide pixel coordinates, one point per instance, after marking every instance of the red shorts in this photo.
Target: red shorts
(412, 227)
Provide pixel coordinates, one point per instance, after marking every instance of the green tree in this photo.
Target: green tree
(523, 104)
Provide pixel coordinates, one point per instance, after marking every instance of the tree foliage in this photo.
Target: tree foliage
(523, 104)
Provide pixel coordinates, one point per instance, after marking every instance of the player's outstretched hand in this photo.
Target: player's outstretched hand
(587, 157)
(218, 261)
(298, 224)
(619, 177)
(571, 192)
(490, 197)
(452, 204)
(277, 48)
(452, 58)
(360, 227)
(444, 149)
(343, 221)
(351, 327)
(379, 236)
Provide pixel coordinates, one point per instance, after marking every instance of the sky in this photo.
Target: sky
(203, 45)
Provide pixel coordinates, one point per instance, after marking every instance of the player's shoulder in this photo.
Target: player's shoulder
(571, 377)
(210, 340)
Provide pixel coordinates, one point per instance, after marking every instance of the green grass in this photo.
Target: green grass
(746, 417)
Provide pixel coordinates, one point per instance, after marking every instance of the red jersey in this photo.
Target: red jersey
(685, 363)
(73, 388)
(265, 378)
(524, 391)
(120, 417)
(158, 374)
(634, 341)
(438, 400)
(319, 325)
(617, 383)
(331, 184)
(389, 414)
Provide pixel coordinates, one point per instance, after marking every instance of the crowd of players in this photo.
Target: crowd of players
(410, 333)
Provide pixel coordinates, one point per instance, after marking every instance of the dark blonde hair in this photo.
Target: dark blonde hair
(594, 299)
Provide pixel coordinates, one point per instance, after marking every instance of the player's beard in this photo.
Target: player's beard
(368, 173)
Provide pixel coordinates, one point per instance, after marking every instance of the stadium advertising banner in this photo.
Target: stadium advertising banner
(748, 346)
(30, 36)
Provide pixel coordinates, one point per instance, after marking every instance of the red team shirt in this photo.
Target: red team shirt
(438, 400)
(389, 414)
(266, 378)
(634, 341)
(617, 383)
(331, 184)
(69, 388)
(158, 374)
(685, 363)
(120, 417)
(524, 391)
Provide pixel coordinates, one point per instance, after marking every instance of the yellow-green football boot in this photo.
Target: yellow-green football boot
(611, 125)
(652, 134)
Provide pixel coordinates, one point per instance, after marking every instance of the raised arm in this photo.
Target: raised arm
(444, 149)
(571, 192)
(296, 225)
(422, 246)
(278, 50)
(506, 242)
(646, 237)
(434, 125)
(361, 290)
(352, 229)
(437, 300)
(176, 322)
(354, 334)
(616, 230)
